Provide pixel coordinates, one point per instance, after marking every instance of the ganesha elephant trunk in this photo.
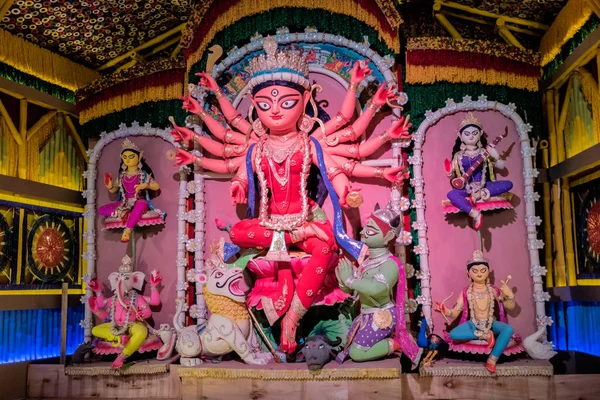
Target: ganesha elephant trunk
(120, 294)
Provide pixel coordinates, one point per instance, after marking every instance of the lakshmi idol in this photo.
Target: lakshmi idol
(279, 145)
(472, 167)
(476, 306)
(132, 187)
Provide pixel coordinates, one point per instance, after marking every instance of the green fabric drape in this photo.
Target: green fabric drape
(13, 74)
(296, 20)
(568, 48)
(157, 113)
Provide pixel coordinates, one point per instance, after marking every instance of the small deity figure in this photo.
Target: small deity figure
(380, 329)
(279, 144)
(472, 170)
(133, 206)
(126, 310)
(477, 305)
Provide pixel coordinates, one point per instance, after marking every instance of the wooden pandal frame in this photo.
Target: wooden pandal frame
(504, 25)
(563, 271)
(68, 161)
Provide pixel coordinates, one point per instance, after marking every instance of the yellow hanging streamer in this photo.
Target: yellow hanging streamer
(568, 21)
(42, 63)
(426, 74)
(137, 97)
(246, 8)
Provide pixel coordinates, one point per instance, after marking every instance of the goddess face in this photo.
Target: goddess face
(479, 273)
(280, 107)
(470, 135)
(130, 158)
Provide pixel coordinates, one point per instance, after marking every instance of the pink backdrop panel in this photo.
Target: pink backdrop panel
(451, 241)
(218, 204)
(156, 247)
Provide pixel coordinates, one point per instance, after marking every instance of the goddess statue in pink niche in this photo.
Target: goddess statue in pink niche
(480, 331)
(471, 170)
(296, 165)
(133, 206)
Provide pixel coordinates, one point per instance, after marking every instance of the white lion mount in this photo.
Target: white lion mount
(530, 197)
(229, 327)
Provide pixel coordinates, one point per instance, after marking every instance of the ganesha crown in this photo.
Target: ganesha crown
(126, 265)
(278, 65)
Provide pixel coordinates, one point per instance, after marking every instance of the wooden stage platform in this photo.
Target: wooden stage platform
(233, 380)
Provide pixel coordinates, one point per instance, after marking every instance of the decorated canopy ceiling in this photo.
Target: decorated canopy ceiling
(92, 32)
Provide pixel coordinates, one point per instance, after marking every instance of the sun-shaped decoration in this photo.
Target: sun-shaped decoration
(4, 242)
(50, 249)
(593, 229)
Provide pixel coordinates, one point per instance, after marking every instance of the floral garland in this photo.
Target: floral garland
(227, 12)
(114, 328)
(568, 22)
(285, 223)
(474, 46)
(482, 332)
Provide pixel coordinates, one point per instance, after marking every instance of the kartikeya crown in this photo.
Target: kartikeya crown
(278, 65)
(129, 145)
(470, 120)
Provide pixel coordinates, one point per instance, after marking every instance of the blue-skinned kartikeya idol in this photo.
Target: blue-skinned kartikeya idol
(476, 307)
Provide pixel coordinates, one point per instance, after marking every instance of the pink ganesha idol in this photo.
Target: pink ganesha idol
(133, 206)
(127, 331)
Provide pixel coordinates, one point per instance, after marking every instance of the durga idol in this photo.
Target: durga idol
(279, 145)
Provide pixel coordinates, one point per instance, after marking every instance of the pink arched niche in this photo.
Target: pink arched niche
(156, 247)
(504, 233)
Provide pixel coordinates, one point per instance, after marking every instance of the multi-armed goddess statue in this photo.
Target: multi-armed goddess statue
(280, 145)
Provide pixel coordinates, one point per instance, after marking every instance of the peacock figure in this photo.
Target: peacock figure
(433, 344)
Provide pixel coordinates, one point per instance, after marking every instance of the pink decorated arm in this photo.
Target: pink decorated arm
(231, 114)
(359, 72)
(239, 186)
(336, 175)
(353, 168)
(229, 166)
(354, 131)
(398, 130)
(155, 280)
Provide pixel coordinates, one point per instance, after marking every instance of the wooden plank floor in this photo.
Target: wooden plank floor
(50, 381)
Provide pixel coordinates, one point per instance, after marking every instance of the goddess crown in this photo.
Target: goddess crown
(129, 145)
(470, 120)
(477, 259)
(278, 65)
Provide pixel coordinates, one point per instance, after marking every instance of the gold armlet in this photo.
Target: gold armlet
(373, 107)
(378, 173)
(218, 93)
(235, 121)
(352, 87)
(384, 137)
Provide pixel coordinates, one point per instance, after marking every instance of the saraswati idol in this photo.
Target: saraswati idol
(280, 146)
